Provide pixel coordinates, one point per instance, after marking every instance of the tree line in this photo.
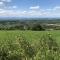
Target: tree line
(20, 25)
(35, 25)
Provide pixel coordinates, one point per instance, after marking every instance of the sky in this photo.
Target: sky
(29, 8)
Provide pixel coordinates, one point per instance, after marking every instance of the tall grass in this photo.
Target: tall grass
(45, 49)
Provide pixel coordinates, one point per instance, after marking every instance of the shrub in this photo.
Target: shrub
(27, 49)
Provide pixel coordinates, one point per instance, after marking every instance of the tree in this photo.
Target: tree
(37, 27)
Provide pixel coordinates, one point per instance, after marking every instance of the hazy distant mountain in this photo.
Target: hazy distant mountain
(27, 18)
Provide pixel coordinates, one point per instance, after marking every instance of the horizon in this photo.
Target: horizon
(30, 8)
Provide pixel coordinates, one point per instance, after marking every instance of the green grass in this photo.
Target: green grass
(29, 35)
(35, 45)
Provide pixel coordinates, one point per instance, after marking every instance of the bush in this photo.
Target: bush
(27, 49)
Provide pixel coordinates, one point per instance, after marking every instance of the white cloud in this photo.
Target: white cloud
(14, 6)
(6, 0)
(24, 12)
(34, 7)
(53, 12)
(57, 7)
(4, 3)
(11, 7)
(8, 10)
(1, 3)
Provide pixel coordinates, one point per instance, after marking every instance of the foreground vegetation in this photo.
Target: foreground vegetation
(29, 45)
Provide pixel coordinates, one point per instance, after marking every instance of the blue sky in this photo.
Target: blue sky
(30, 8)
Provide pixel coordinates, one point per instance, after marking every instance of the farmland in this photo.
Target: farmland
(11, 42)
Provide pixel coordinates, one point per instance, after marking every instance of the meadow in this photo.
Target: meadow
(14, 47)
(29, 35)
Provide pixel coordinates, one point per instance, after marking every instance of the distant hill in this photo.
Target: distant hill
(26, 18)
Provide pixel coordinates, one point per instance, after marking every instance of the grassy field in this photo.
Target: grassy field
(29, 35)
(12, 47)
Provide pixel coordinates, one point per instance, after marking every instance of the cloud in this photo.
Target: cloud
(57, 7)
(34, 7)
(51, 12)
(1, 3)
(11, 7)
(12, 10)
(4, 3)
(32, 12)
(6, 0)
(14, 6)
